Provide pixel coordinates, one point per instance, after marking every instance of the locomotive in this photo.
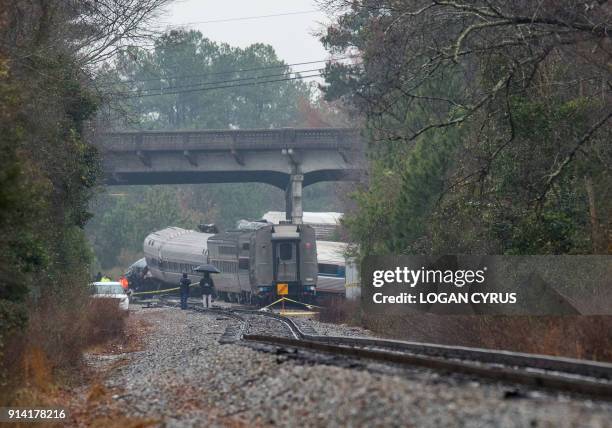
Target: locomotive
(257, 264)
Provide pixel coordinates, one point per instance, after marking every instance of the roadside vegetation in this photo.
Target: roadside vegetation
(49, 168)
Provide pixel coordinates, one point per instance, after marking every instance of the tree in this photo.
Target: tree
(173, 85)
(532, 108)
(48, 165)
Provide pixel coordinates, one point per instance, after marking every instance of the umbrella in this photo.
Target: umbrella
(207, 268)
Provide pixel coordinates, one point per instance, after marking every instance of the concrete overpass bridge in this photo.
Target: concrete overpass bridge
(287, 158)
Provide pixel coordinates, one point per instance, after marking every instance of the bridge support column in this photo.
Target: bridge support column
(293, 198)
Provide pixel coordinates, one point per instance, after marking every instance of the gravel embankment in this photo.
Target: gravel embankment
(184, 377)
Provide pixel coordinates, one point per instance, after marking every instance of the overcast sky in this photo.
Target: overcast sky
(291, 35)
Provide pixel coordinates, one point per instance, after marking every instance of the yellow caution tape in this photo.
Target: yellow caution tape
(274, 303)
(166, 290)
(309, 306)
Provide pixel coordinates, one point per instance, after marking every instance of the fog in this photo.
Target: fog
(292, 36)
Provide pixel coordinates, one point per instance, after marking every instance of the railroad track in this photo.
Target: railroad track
(581, 377)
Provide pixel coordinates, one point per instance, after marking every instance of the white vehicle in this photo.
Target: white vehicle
(111, 290)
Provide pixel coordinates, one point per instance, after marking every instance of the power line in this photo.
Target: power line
(203, 84)
(222, 87)
(245, 18)
(187, 76)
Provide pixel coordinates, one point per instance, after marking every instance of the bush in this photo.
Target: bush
(337, 309)
(52, 345)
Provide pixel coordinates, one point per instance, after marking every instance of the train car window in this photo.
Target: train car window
(243, 264)
(245, 246)
(285, 251)
(229, 251)
(328, 269)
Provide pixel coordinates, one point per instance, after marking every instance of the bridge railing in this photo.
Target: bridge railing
(248, 139)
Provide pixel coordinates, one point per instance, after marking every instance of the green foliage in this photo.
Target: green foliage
(393, 213)
(47, 173)
(422, 186)
(186, 61)
(461, 162)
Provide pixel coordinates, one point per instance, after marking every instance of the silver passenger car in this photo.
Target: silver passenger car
(256, 265)
(266, 263)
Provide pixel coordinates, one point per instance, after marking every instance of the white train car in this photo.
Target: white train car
(173, 251)
(332, 267)
(325, 224)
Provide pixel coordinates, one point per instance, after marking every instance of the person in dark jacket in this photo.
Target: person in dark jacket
(184, 285)
(207, 287)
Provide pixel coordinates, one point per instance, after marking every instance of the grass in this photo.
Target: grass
(48, 354)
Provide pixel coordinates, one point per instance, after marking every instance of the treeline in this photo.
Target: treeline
(488, 122)
(48, 170)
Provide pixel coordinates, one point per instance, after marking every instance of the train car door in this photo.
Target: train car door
(286, 256)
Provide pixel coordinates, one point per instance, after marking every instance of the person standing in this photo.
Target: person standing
(184, 285)
(206, 285)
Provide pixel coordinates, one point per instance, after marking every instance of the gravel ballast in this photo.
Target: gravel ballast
(184, 377)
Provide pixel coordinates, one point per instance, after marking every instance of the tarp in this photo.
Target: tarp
(308, 217)
(250, 225)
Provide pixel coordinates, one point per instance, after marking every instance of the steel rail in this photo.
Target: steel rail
(291, 325)
(538, 371)
(536, 379)
(490, 356)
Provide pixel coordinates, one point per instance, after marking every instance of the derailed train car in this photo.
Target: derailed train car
(171, 251)
(257, 265)
(332, 267)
